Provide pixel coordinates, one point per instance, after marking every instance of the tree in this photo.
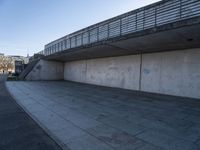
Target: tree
(6, 63)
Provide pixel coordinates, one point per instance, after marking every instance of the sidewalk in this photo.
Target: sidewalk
(17, 130)
(88, 117)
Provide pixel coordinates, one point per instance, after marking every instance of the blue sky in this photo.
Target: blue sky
(27, 25)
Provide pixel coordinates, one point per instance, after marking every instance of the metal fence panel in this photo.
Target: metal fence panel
(103, 32)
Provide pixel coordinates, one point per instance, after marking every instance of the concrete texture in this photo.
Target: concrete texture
(17, 130)
(46, 70)
(120, 72)
(89, 117)
(174, 73)
(75, 71)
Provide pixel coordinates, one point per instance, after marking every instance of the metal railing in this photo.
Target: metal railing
(160, 13)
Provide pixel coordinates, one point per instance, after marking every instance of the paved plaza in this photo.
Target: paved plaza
(17, 130)
(88, 117)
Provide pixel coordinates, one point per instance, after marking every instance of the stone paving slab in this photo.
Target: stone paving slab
(83, 117)
(17, 130)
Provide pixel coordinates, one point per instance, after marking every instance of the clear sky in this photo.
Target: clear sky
(27, 25)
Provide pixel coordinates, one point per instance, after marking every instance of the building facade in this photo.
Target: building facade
(12, 64)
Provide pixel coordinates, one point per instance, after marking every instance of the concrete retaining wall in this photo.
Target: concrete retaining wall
(120, 72)
(47, 70)
(173, 73)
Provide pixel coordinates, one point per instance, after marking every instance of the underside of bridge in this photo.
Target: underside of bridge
(174, 36)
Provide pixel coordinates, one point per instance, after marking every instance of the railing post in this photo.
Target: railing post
(88, 36)
(82, 39)
(70, 42)
(75, 40)
(61, 46)
(65, 43)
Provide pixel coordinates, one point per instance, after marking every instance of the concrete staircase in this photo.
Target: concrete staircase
(30, 66)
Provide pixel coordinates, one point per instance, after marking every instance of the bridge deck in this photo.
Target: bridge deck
(82, 116)
(174, 36)
(124, 26)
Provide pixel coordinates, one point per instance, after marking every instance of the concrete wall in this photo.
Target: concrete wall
(173, 73)
(120, 72)
(47, 70)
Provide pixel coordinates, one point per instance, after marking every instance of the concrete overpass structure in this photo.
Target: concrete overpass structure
(154, 49)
